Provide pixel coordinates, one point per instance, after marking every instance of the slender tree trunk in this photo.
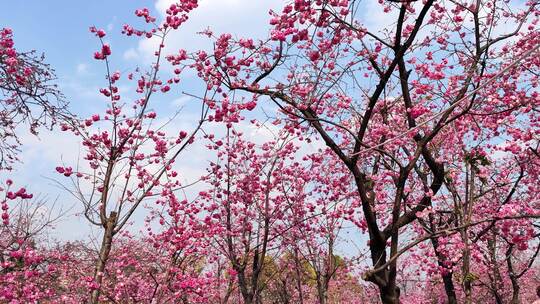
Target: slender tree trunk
(104, 251)
(467, 279)
(298, 277)
(469, 203)
(512, 275)
(515, 290)
(321, 292)
(185, 299)
(492, 245)
(447, 277)
(230, 288)
(449, 288)
(283, 293)
(244, 289)
(323, 279)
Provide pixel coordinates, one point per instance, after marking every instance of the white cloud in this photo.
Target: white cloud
(180, 102)
(110, 25)
(241, 18)
(378, 22)
(131, 54)
(375, 19)
(82, 69)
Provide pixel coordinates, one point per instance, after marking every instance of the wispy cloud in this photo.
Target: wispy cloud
(82, 69)
(131, 54)
(238, 17)
(180, 102)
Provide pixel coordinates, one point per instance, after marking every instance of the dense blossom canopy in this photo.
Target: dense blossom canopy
(398, 165)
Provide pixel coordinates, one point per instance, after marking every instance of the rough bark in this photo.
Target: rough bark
(104, 252)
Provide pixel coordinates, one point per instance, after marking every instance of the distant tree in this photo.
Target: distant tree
(28, 96)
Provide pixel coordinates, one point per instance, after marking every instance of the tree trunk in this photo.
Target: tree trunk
(515, 290)
(389, 294)
(385, 279)
(321, 292)
(467, 277)
(492, 245)
(298, 277)
(447, 277)
(247, 295)
(468, 212)
(449, 288)
(512, 275)
(101, 262)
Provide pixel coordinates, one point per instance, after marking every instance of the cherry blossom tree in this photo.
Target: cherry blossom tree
(395, 105)
(401, 166)
(28, 96)
(248, 204)
(29, 261)
(129, 159)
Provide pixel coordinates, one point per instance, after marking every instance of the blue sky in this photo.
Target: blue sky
(59, 29)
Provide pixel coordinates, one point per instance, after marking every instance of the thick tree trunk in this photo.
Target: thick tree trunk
(389, 294)
(385, 279)
(101, 262)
